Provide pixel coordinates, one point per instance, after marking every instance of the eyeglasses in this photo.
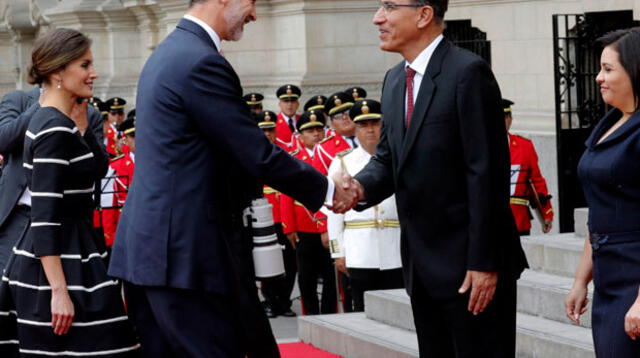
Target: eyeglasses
(388, 6)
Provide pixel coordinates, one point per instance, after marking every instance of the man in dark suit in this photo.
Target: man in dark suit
(179, 244)
(16, 109)
(443, 153)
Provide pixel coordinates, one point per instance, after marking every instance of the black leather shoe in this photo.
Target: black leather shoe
(269, 311)
(288, 313)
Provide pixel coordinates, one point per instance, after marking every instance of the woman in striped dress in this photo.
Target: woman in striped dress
(55, 296)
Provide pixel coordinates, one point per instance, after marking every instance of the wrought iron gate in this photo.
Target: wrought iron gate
(579, 105)
(462, 34)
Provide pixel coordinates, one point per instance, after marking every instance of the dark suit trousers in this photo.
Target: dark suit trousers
(185, 323)
(314, 261)
(446, 329)
(11, 230)
(277, 292)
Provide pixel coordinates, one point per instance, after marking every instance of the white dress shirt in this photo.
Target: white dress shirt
(419, 65)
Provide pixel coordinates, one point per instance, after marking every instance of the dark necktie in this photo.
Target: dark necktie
(410, 74)
(291, 127)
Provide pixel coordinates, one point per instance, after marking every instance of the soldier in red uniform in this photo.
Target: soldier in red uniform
(254, 101)
(125, 164)
(525, 179)
(277, 292)
(289, 96)
(116, 110)
(307, 230)
(337, 107)
(317, 102)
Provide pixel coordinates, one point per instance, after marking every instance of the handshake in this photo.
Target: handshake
(348, 192)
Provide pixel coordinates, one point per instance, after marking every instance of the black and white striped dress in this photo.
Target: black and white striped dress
(61, 166)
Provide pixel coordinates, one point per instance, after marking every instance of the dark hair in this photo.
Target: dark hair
(53, 51)
(440, 7)
(626, 43)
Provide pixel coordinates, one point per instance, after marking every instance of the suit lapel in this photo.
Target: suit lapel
(395, 114)
(427, 89)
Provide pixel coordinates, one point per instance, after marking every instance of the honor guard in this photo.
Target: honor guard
(317, 103)
(109, 131)
(116, 110)
(356, 92)
(528, 186)
(289, 101)
(277, 292)
(254, 101)
(125, 164)
(337, 107)
(307, 231)
(365, 244)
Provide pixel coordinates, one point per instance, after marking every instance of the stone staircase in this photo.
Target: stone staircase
(386, 330)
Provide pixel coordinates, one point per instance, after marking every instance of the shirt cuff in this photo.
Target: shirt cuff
(331, 189)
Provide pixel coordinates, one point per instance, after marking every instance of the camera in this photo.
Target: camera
(267, 252)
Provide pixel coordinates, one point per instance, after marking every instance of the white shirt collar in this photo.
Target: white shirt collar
(208, 29)
(421, 62)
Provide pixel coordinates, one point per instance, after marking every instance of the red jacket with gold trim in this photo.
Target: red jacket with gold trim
(285, 138)
(295, 217)
(273, 196)
(326, 150)
(524, 168)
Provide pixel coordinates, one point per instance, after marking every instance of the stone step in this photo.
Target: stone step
(557, 254)
(542, 338)
(353, 335)
(541, 294)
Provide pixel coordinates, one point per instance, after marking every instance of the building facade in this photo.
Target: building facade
(327, 45)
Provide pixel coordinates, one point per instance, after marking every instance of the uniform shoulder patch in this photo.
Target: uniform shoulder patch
(344, 152)
(327, 139)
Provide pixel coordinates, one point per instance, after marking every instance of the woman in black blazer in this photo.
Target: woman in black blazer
(610, 175)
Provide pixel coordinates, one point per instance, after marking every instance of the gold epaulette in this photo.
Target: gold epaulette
(295, 152)
(117, 158)
(326, 139)
(344, 153)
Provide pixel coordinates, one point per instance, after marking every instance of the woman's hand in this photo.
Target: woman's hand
(62, 311)
(575, 304)
(79, 115)
(632, 320)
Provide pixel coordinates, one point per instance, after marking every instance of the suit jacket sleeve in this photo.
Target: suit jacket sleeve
(377, 175)
(14, 120)
(215, 103)
(486, 157)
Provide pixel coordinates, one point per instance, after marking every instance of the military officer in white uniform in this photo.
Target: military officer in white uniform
(366, 245)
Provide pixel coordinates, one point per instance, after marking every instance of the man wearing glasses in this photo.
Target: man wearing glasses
(443, 154)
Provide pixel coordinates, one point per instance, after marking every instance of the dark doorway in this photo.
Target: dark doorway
(462, 34)
(579, 105)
